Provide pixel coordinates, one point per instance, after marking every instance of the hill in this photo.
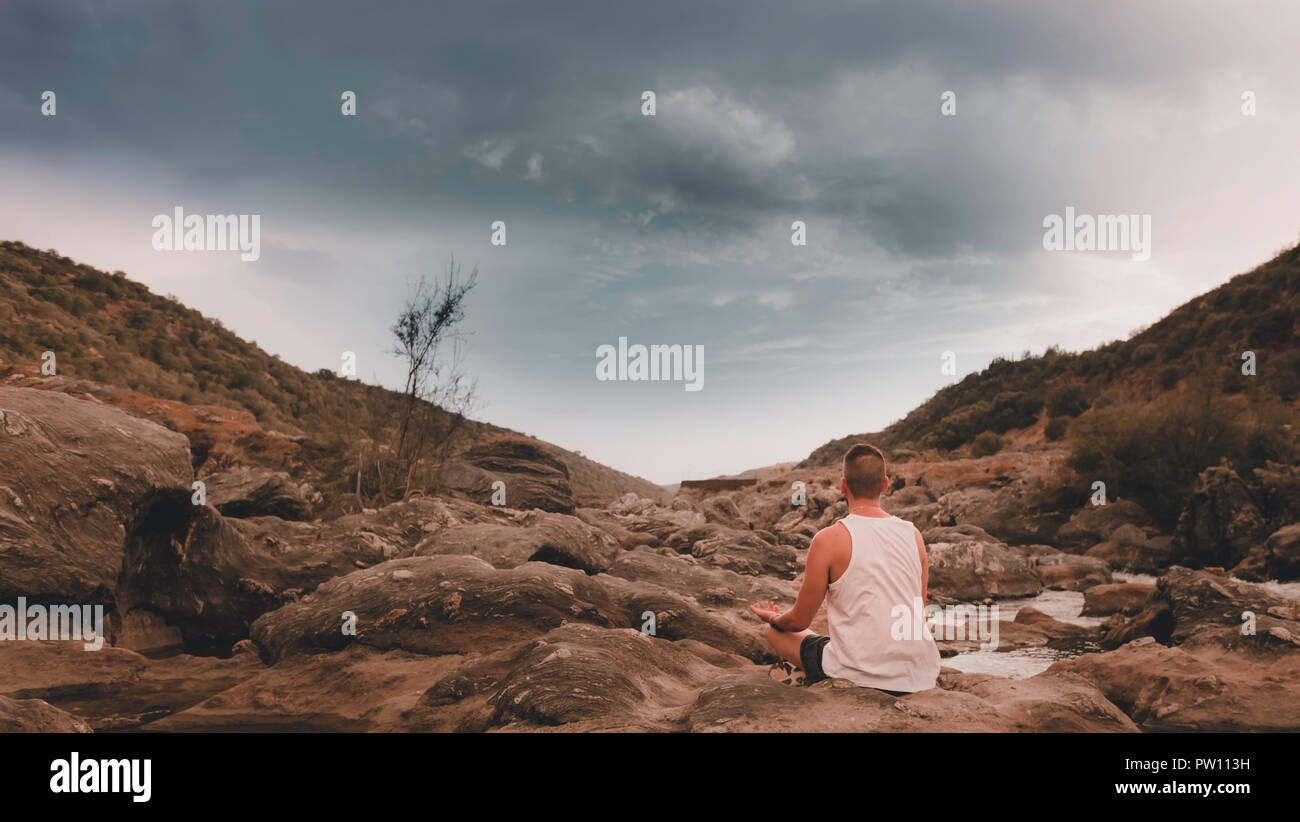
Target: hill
(111, 330)
(1201, 342)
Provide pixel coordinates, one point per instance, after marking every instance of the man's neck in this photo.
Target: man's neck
(867, 509)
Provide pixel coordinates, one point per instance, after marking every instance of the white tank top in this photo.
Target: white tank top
(878, 638)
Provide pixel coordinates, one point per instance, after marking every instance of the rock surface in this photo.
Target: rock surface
(967, 564)
(37, 717)
(258, 492)
(1126, 598)
(1221, 523)
(73, 474)
(532, 478)
(1278, 557)
(1207, 688)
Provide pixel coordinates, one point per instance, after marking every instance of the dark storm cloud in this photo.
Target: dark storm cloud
(237, 91)
(924, 231)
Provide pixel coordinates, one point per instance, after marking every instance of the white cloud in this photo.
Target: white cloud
(490, 153)
(776, 299)
(702, 120)
(534, 167)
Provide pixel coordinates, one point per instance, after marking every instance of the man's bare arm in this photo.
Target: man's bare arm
(925, 566)
(816, 579)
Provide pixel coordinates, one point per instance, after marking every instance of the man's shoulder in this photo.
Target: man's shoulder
(834, 534)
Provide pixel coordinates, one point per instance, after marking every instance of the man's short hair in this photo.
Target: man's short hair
(864, 470)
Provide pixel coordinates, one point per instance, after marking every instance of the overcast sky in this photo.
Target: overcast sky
(924, 231)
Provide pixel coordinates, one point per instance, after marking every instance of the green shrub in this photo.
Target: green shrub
(1066, 401)
(1154, 452)
(986, 444)
(1145, 353)
(1056, 428)
(1168, 377)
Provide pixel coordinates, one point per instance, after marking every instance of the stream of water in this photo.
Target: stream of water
(1067, 607)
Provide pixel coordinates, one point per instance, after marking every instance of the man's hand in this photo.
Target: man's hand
(766, 611)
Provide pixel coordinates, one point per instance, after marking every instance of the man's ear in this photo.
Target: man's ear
(844, 488)
(884, 489)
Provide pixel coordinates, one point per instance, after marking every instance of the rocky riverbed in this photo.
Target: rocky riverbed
(450, 613)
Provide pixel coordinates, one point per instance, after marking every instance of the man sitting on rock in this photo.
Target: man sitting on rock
(872, 570)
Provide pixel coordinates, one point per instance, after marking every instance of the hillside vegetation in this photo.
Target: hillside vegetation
(1150, 411)
(112, 330)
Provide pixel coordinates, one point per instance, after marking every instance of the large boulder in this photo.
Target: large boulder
(1060, 571)
(1092, 524)
(73, 474)
(578, 676)
(258, 492)
(37, 716)
(461, 604)
(1020, 513)
(1221, 522)
(1190, 606)
(210, 576)
(967, 564)
(1203, 688)
(533, 478)
(1278, 557)
(537, 536)
(1126, 598)
(747, 552)
(724, 511)
(710, 586)
(1279, 487)
(1209, 607)
(1129, 548)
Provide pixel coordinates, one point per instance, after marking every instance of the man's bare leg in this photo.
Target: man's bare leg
(786, 644)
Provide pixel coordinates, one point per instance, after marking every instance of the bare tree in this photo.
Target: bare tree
(436, 396)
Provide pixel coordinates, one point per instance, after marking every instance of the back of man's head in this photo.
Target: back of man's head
(864, 471)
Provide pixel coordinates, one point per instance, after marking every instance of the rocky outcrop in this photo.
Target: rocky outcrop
(357, 689)
(967, 564)
(1019, 513)
(1278, 557)
(1030, 628)
(258, 492)
(114, 688)
(1060, 571)
(537, 536)
(578, 676)
(532, 477)
(1095, 523)
(1126, 598)
(1189, 606)
(1221, 522)
(461, 604)
(73, 474)
(709, 586)
(210, 576)
(1209, 607)
(748, 702)
(1204, 688)
(37, 716)
(746, 552)
(1129, 548)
